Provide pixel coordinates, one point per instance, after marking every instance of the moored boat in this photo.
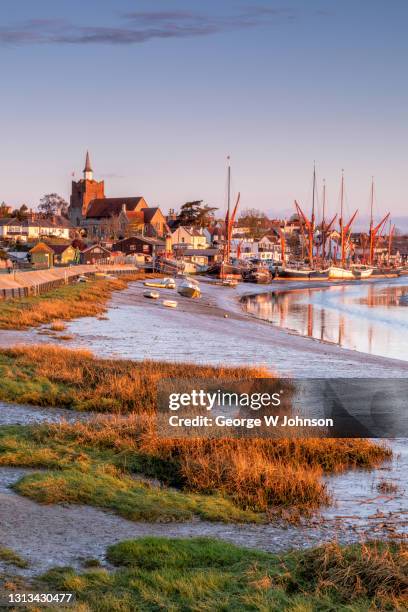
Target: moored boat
(362, 271)
(337, 273)
(189, 288)
(303, 274)
(153, 295)
(257, 274)
(165, 283)
(170, 303)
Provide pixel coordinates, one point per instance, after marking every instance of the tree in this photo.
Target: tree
(196, 213)
(255, 220)
(53, 204)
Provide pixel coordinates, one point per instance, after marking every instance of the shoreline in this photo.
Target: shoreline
(212, 330)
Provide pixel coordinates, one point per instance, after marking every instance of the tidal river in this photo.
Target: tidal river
(368, 317)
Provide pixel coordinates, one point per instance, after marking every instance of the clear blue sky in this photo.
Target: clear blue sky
(160, 91)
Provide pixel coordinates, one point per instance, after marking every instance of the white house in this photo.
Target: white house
(267, 249)
(192, 237)
(26, 230)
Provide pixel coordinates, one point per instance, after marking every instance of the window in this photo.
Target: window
(145, 248)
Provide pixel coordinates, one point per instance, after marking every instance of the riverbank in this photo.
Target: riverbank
(137, 324)
(213, 330)
(63, 303)
(200, 573)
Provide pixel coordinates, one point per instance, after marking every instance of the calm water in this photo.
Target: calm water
(368, 317)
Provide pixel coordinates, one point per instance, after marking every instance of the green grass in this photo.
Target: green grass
(129, 498)
(201, 574)
(10, 557)
(64, 303)
(104, 478)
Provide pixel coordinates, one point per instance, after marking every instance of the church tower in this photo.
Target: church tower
(83, 192)
(88, 172)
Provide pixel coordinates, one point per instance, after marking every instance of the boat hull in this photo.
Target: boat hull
(224, 270)
(190, 292)
(293, 274)
(152, 295)
(340, 274)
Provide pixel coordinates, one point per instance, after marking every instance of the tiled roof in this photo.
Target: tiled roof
(107, 207)
(55, 222)
(59, 248)
(148, 213)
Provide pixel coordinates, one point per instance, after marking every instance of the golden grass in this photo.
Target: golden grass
(373, 570)
(77, 379)
(259, 475)
(62, 304)
(58, 326)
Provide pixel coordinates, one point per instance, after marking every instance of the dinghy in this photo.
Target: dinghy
(161, 283)
(170, 303)
(153, 295)
(189, 288)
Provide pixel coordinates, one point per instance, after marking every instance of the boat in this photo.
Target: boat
(337, 273)
(165, 283)
(170, 303)
(303, 274)
(229, 282)
(225, 270)
(257, 274)
(361, 271)
(189, 288)
(353, 273)
(153, 295)
(386, 272)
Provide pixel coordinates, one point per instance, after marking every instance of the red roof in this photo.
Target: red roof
(108, 207)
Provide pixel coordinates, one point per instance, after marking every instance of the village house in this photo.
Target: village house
(27, 230)
(111, 218)
(140, 245)
(268, 248)
(64, 254)
(93, 254)
(201, 257)
(192, 237)
(46, 254)
(41, 255)
(145, 221)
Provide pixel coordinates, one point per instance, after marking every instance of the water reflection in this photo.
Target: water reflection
(371, 317)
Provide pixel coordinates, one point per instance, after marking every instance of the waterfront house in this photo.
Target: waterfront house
(140, 245)
(64, 254)
(93, 254)
(192, 237)
(200, 257)
(41, 255)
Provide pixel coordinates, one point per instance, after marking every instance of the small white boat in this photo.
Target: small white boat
(161, 283)
(170, 303)
(229, 282)
(82, 279)
(153, 295)
(189, 288)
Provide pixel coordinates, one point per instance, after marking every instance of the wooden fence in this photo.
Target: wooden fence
(41, 287)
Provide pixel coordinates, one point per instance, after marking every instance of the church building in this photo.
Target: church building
(104, 218)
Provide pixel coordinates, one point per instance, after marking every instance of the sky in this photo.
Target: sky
(162, 91)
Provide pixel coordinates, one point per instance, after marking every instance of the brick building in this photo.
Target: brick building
(111, 218)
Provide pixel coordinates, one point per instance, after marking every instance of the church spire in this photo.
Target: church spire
(88, 172)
